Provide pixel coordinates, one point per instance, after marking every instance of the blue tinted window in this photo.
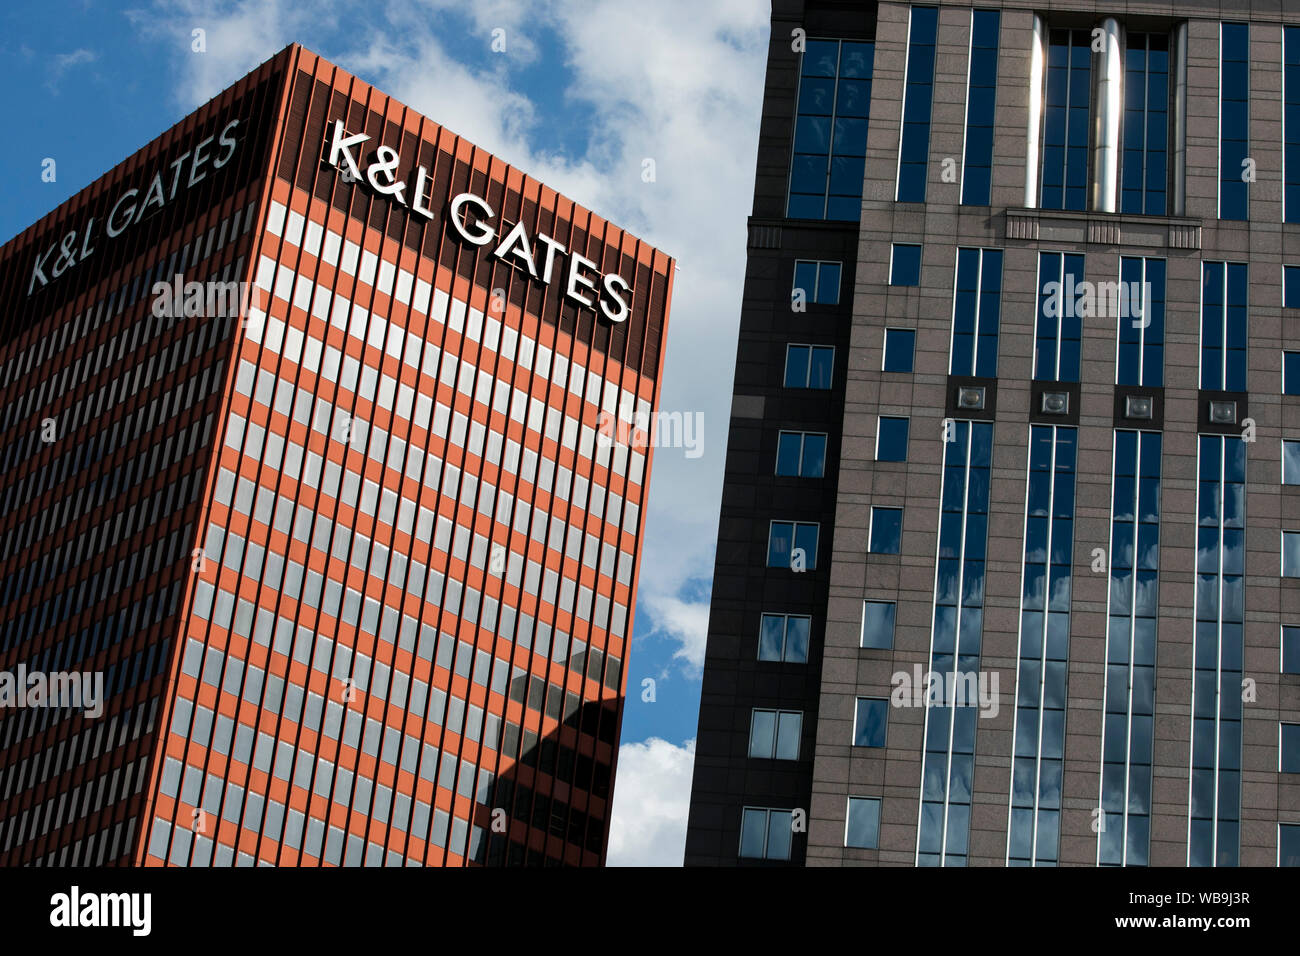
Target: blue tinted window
(801, 454)
(1044, 647)
(1223, 326)
(905, 265)
(955, 644)
(914, 150)
(1059, 328)
(976, 313)
(790, 543)
(1291, 748)
(1291, 554)
(1291, 287)
(830, 133)
(1291, 122)
(789, 450)
(869, 723)
(1288, 844)
(981, 108)
(817, 282)
(1291, 650)
(899, 346)
(809, 366)
(891, 439)
(1234, 120)
(878, 624)
(1219, 608)
(1141, 310)
(1144, 176)
(1291, 462)
(1130, 650)
(862, 826)
(886, 530)
(1291, 373)
(784, 637)
(1066, 120)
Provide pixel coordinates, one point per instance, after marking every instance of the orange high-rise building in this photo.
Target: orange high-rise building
(302, 452)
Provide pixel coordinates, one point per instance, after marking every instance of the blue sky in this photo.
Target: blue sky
(581, 96)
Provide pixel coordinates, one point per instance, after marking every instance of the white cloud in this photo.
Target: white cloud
(685, 622)
(652, 794)
(60, 63)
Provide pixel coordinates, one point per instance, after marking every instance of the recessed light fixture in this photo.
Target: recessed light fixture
(971, 396)
(1138, 406)
(1056, 403)
(1223, 413)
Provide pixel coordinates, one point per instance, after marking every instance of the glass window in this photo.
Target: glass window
(774, 734)
(784, 637)
(918, 97)
(900, 344)
(1234, 121)
(891, 439)
(801, 454)
(1291, 554)
(1291, 283)
(1290, 649)
(1223, 326)
(765, 834)
(1066, 120)
(1140, 305)
(817, 282)
(870, 721)
(1291, 373)
(809, 366)
(981, 108)
(905, 265)
(1059, 328)
(976, 313)
(1291, 122)
(793, 545)
(886, 530)
(1290, 746)
(1288, 844)
(862, 825)
(878, 624)
(1290, 462)
(830, 134)
(1144, 176)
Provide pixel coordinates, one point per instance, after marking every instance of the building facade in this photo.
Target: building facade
(317, 451)
(1008, 565)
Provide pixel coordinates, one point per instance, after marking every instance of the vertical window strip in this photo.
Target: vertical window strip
(1037, 761)
(981, 108)
(1214, 822)
(1234, 120)
(1146, 124)
(918, 99)
(977, 306)
(1291, 123)
(1224, 321)
(1066, 116)
(830, 136)
(1127, 741)
(1059, 332)
(955, 645)
(1141, 335)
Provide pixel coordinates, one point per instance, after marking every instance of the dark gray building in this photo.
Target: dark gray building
(1008, 567)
